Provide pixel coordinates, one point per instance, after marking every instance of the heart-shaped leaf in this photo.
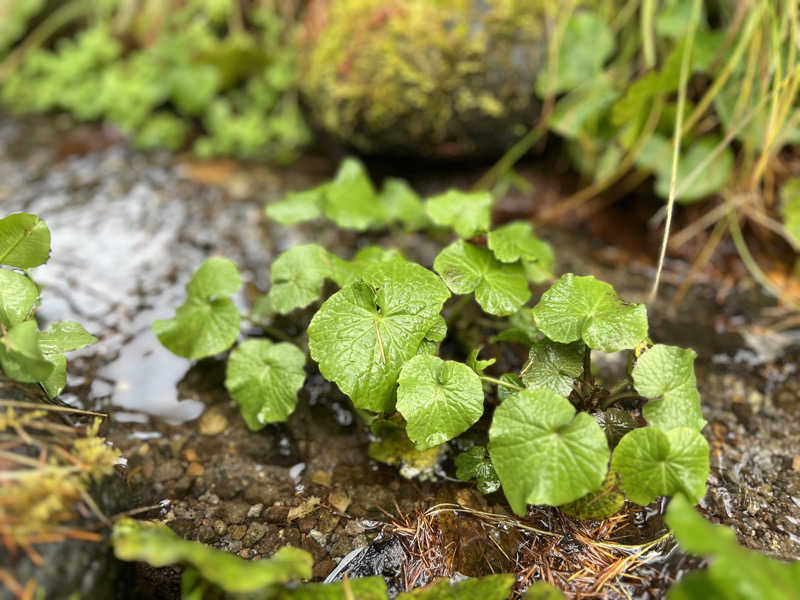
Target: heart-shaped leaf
(24, 241)
(208, 322)
(667, 372)
(264, 378)
(402, 204)
(18, 297)
(466, 213)
(297, 277)
(583, 308)
(553, 366)
(61, 337)
(656, 463)
(297, 207)
(543, 452)
(500, 288)
(20, 355)
(350, 199)
(516, 241)
(363, 334)
(438, 399)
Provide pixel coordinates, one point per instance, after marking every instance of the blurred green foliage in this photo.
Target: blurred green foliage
(197, 73)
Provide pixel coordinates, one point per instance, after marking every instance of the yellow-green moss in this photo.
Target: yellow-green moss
(435, 77)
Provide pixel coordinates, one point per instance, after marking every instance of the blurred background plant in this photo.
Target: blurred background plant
(205, 74)
(456, 79)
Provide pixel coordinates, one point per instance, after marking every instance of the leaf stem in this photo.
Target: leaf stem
(457, 308)
(614, 398)
(271, 331)
(510, 386)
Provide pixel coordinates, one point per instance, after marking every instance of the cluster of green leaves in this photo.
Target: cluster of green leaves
(603, 109)
(377, 338)
(190, 71)
(27, 354)
(210, 573)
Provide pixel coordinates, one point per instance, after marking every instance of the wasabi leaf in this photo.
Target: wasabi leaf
(667, 372)
(402, 204)
(500, 288)
(363, 334)
(543, 452)
(24, 241)
(297, 277)
(467, 213)
(350, 199)
(714, 176)
(18, 298)
(264, 378)
(656, 463)
(158, 546)
(61, 337)
(20, 355)
(763, 578)
(576, 308)
(586, 44)
(438, 399)
(490, 587)
(516, 241)
(475, 464)
(574, 113)
(207, 322)
(297, 207)
(553, 366)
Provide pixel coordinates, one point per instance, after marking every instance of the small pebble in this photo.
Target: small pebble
(195, 469)
(212, 422)
(255, 511)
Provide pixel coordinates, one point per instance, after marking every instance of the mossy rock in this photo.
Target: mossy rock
(433, 78)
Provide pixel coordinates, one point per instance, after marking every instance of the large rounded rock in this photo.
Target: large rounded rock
(445, 78)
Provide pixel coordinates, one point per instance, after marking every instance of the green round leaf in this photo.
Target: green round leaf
(207, 323)
(667, 372)
(439, 400)
(576, 308)
(216, 277)
(297, 277)
(18, 297)
(56, 381)
(363, 334)
(264, 378)
(297, 207)
(656, 463)
(402, 204)
(64, 336)
(24, 241)
(500, 288)
(350, 199)
(466, 213)
(543, 452)
(553, 366)
(20, 355)
(516, 241)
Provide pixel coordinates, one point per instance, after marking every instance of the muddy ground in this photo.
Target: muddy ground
(128, 231)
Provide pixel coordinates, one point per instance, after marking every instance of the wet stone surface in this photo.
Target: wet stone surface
(128, 231)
